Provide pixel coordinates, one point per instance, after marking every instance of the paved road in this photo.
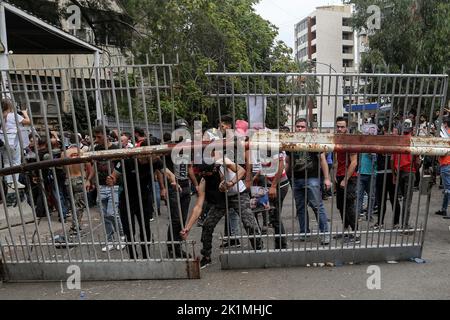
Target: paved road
(404, 280)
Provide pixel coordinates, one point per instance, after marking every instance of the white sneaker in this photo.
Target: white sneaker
(109, 247)
(121, 246)
(19, 185)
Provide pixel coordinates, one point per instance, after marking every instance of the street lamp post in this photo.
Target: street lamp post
(329, 83)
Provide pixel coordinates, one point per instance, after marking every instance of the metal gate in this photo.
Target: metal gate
(52, 218)
(382, 123)
(41, 241)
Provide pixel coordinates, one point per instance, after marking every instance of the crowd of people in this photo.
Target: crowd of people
(132, 189)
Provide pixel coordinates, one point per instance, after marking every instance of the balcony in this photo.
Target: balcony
(347, 43)
(348, 56)
(347, 29)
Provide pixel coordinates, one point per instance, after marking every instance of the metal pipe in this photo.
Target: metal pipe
(286, 141)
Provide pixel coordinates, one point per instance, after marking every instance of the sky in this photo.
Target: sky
(286, 13)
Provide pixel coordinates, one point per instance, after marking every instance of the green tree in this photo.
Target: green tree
(203, 35)
(413, 33)
(413, 37)
(209, 35)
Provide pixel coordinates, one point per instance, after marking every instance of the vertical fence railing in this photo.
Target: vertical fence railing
(386, 161)
(88, 212)
(83, 197)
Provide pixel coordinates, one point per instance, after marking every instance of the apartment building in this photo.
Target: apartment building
(325, 39)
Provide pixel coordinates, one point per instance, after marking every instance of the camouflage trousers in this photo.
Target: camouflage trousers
(216, 213)
(78, 198)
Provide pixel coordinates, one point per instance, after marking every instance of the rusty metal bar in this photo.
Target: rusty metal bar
(286, 141)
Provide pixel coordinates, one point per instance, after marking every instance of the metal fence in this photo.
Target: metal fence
(111, 231)
(282, 176)
(388, 152)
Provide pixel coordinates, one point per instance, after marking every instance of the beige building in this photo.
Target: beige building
(326, 39)
(29, 43)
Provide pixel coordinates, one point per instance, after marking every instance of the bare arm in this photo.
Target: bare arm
(326, 172)
(192, 176)
(26, 119)
(248, 170)
(273, 187)
(351, 168)
(196, 211)
(90, 169)
(240, 172)
(335, 166)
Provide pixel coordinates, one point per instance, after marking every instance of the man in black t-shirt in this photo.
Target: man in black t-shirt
(305, 167)
(138, 175)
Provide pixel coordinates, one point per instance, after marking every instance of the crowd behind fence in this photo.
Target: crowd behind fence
(109, 208)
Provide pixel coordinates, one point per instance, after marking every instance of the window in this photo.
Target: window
(347, 22)
(347, 35)
(46, 106)
(302, 25)
(302, 39)
(347, 63)
(303, 53)
(347, 50)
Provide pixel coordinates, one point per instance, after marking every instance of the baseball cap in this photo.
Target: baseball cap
(180, 123)
(407, 125)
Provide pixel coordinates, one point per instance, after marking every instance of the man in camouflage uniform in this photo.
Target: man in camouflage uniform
(221, 189)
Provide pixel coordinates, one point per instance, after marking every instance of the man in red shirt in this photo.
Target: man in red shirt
(139, 135)
(345, 181)
(405, 165)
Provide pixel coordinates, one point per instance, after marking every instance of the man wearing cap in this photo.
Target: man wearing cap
(405, 167)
